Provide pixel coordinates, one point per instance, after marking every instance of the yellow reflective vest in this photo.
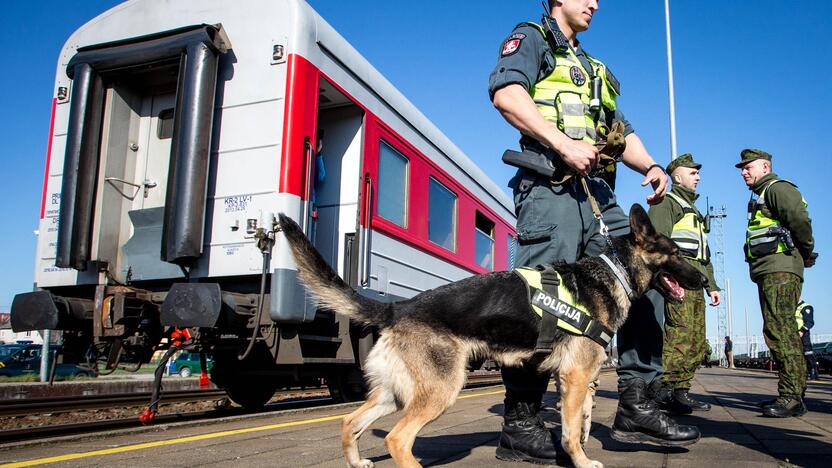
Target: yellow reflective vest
(564, 96)
(760, 236)
(689, 232)
(798, 314)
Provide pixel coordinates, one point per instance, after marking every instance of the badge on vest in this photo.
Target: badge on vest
(577, 75)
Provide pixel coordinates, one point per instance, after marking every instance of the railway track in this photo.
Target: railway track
(288, 399)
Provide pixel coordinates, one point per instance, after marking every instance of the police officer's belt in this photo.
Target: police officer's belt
(558, 310)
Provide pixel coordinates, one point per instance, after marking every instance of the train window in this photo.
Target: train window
(392, 185)
(484, 242)
(512, 251)
(441, 215)
(164, 128)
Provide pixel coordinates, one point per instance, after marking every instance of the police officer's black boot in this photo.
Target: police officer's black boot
(812, 373)
(639, 419)
(663, 394)
(785, 406)
(682, 396)
(524, 437)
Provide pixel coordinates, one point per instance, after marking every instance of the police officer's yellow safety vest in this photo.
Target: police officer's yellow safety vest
(761, 236)
(557, 308)
(689, 232)
(798, 313)
(563, 97)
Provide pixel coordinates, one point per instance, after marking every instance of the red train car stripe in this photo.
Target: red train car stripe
(299, 124)
(48, 158)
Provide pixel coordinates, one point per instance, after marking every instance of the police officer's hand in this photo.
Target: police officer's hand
(810, 261)
(715, 298)
(579, 155)
(658, 179)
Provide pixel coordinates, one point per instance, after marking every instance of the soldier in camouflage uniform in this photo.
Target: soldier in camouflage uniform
(778, 246)
(684, 328)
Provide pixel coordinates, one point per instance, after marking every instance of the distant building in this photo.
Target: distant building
(8, 336)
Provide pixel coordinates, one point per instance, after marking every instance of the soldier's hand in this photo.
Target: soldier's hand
(715, 298)
(579, 155)
(657, 178)
(810, 262)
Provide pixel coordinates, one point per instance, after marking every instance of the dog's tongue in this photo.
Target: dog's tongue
(675, 289)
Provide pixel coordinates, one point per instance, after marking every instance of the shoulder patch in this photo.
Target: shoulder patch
(613, 81)
(512, 44)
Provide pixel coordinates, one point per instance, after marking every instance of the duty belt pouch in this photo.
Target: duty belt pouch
(548, 322)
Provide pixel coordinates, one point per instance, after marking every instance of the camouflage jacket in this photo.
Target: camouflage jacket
(786, 205)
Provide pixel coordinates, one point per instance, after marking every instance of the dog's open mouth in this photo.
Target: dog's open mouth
(673, 288)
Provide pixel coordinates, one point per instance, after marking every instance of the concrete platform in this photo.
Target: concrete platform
(734, 434)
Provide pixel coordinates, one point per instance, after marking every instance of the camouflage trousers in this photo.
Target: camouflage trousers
(779, 295)
(684, 339)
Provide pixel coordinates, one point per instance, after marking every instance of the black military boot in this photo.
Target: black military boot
(785, 406)
(682, 396)
(765, 403)
(663, 395)
(638, 419)
(813, 374)
(524, 437)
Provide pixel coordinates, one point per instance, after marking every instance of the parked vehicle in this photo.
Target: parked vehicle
(187, 364)
(179, 130)
(23, 359)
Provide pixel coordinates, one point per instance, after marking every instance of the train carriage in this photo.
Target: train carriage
(179, 130)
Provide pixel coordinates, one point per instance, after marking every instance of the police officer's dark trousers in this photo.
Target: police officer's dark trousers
(554, 223)
(809, 355)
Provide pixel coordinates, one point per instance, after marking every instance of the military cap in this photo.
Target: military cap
(750, 154)
(685, 160)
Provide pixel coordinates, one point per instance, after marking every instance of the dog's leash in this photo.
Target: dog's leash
(620, 275)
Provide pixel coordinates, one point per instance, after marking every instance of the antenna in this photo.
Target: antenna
(546, 8)
(716, 239)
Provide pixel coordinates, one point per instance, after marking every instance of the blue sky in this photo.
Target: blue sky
(747, 74)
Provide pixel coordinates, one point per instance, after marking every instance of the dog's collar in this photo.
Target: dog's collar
(620, 275)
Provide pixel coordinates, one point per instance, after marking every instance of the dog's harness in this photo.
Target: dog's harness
(558, 309)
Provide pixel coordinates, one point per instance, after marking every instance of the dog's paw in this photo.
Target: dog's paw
(593, 464)
(363, 463)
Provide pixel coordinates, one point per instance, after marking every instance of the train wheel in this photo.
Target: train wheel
(346, 385)
(251, 394)
(244, 381)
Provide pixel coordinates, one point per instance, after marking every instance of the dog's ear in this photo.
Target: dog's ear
(640, 224)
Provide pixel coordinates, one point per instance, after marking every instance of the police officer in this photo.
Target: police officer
(778, 247)
(805, 316)
(684, 328)
(729, 352)
(542, 85)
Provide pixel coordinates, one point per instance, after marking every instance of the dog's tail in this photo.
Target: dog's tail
(324, 284)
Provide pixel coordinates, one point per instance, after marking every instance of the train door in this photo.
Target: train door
(137, 132)
(153, 158)
(335, 179)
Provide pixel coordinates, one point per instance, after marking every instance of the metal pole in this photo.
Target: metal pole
(44, 355)
(730, 310)
(670, 81)
(747, 339)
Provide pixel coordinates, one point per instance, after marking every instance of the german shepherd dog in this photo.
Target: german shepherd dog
(419, 362)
